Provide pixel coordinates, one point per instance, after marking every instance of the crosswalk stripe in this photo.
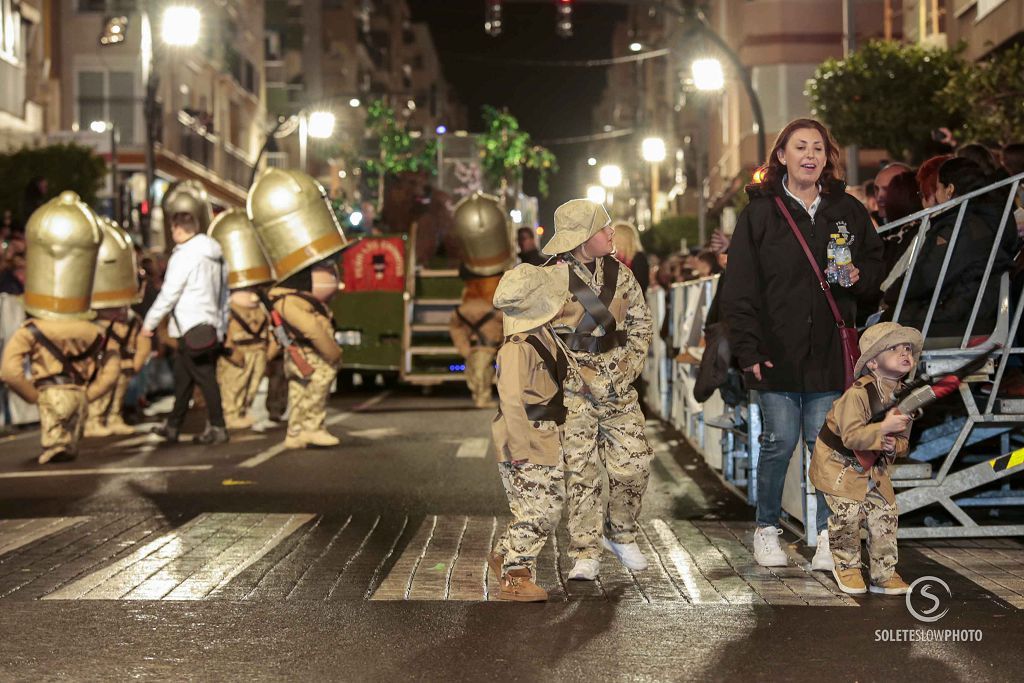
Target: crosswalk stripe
(398, 582)
(189, 563)
(15, 533)
(104, 471)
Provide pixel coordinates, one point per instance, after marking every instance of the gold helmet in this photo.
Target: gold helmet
(63, 237)
(293, 220)
(247, 264)
(117, 271)
(188, 196)
(485, 235)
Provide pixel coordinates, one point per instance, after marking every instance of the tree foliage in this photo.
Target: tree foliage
(65, 167)
(399, 152)
(505, 151)
(987, 95)
(886, 95)
(666, 236)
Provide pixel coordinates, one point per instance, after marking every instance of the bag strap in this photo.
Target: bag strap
(596, 308)
(477, 327)
(840, 323)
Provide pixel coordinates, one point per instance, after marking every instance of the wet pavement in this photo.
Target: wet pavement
(367, 562)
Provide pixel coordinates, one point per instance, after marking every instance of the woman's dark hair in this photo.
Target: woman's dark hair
(710, 258)
(964, 175)
(980, 155)
(831, 172)
(903, 197)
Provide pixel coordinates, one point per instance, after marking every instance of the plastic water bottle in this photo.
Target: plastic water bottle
(831, 273)
(844, 262)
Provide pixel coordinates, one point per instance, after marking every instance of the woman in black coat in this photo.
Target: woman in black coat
(966, 269)
(781, 327)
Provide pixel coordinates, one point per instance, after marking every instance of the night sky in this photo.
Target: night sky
(549, 102)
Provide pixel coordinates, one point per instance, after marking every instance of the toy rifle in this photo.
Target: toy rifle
(283, 338)
(923, 391)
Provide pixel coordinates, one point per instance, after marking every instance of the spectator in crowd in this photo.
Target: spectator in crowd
(882, 180)
(782, 330)
(959, 289)
(12, 266)
(36, 192)
(928, 179)
(871, 199)
(194, 295)
(528, 252)
(7, 227)
(983, 157)
(1013, 158)
(631, 254)
(903, 198)
(706, 264)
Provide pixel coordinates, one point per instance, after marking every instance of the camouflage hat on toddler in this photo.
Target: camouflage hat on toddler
(530, 296)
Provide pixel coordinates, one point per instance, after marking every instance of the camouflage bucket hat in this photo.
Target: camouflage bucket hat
(576, 221)
(530, 296)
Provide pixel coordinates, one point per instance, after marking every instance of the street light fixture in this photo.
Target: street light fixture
(596, 194)
(708, 74)
(180, 26)
(610, 176)
(321, 124)
(591, 161)
(635, 46)
(653, 151)
(354, 102)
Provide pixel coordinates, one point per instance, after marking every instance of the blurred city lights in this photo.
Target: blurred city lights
(591, 161)
(708, 74)
(354, 102)
(635, 46)
(180, 26)
(99, 126)
(355, 218)
(321, 124)
(653, 149)
(610, 176)
(596, 194)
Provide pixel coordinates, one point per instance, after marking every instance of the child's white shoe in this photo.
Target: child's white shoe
(767, 550)
(629, 554)
(585, 570)
(822, 560)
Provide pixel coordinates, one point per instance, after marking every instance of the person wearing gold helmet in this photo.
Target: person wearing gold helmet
(608, 327)
(301, 237)
(115, 289)
(194, 296)
(485, 239)
(248, 343)
(63, 348)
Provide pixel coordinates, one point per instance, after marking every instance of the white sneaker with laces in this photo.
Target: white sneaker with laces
(629, 554)
(767, 550)
(822, 560)
(585, 570)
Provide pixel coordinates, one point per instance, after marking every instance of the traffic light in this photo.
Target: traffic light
(563, 19)
(492, 18)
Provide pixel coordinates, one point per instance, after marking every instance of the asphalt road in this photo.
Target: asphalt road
(364, 562)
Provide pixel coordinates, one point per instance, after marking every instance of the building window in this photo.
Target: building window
(108, 96)
(10, 33)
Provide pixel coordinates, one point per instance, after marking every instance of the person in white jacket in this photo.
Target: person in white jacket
(194, 294)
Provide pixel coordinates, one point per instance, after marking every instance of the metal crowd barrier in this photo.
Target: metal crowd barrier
(956, 481)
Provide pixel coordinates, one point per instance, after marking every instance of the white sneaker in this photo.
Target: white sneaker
(767, 550)
(585, 570)
(822, 560)
(629, 554)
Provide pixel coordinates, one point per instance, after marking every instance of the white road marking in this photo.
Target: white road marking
(15, 533)
(378, 433)
(103, 471)
(473, 448)
(278, 449)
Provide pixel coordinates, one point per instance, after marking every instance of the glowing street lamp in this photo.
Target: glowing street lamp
(635, 46)
(596, 194)
(321, 124)
(180, 26)
(354, 102)
(708, 74)
(653, 151)
(610, 176)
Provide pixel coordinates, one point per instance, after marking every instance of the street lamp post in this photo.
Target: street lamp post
(708, 77)
(115, 187)
(653, 151)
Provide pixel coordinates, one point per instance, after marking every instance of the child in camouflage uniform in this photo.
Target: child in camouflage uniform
(528, 427)
(858, 492)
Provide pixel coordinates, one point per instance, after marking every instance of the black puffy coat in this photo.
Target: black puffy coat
(771, 297)
(965, 272)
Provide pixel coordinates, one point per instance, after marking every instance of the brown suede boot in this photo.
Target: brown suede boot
(894, 585)
(517, 585)
(850, 580)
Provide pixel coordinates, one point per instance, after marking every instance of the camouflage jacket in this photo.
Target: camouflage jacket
(609, 374)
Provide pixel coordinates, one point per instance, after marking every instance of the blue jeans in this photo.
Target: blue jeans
(783, 415)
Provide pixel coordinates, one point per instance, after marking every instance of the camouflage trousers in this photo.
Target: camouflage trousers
(277, 387)
(480, 374)
(608, 435)
(535, 496)
(106, 410)
(62, 414)
(238, 385)
(881, 520)
(308, 396)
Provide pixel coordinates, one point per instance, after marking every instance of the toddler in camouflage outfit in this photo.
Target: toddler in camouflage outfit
(852, 455)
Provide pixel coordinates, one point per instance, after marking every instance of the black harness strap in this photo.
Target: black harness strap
(476, 329)
(298, 337)
(68, 368)
(597, 313)
(558, 368)
(133, 323)
(833, 440)
(253, 334)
